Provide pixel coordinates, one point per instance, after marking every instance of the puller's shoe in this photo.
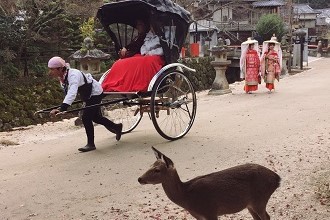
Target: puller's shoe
(118, 131)
(88, 147)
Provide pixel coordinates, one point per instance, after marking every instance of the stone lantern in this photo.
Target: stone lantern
(89, 58)
(220, 85)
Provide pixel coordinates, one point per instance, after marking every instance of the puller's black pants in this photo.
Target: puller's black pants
(94, 114)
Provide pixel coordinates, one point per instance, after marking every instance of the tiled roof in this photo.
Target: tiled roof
(203, 25)
(324, 17)
(303, 9)
(324, 13)
(270, 3)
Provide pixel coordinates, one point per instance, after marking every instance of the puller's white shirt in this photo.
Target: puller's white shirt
(76, 79)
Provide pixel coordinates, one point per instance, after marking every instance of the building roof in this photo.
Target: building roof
(203, 25)
(324, 13)
(270, 3)
(303, 9)
(324, 17)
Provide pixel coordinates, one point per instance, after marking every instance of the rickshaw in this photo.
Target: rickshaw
(170, 100)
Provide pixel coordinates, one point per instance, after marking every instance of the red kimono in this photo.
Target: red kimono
(252, 65)
(132, 74)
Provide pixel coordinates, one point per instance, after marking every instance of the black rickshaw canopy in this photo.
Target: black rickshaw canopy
(169, 20)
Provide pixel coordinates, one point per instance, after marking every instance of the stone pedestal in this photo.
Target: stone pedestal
(220, 84)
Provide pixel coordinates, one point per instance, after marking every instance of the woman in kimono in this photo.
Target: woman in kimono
(133, 74)
(271, 62)
(250, 65)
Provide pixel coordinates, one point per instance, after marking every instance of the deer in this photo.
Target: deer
(224, 192)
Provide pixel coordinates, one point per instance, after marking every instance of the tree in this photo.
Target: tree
(7, 7)
(270, 24)
(33, 30)
(44, 24)
(88, 28)
(10, 39)
(82, 8)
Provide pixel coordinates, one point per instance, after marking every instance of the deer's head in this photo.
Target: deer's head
(158, 171)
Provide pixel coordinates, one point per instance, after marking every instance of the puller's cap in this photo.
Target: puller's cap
(56, 62)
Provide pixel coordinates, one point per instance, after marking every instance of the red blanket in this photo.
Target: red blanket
(132, 74)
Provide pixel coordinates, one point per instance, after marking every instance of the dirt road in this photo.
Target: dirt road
(44, 177)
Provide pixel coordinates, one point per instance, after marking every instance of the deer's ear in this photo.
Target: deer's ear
(169, 163)
(157, 153)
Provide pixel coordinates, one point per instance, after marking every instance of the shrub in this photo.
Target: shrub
(10, 71)
(39, 70)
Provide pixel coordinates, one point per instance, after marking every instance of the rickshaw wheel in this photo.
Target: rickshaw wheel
(173, 105)
(125, 112)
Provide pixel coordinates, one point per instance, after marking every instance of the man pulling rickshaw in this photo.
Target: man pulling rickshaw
(168, 96)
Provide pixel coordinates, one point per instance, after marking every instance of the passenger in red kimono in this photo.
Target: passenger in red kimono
(250, 65)
(133, 74)
(271, 62)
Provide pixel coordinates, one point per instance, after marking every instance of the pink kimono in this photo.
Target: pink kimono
(270, 68)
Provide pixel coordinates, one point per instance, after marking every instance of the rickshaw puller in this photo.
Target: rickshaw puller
(73, 82)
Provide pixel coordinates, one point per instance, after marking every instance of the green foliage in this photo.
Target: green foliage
(101, 39)
(103, 67)
(42, 26)
(20, 99)
(10, 71)
(109, 63)
(106, 64)
(83, 49)
(87, 29)
(10, 38)
(204, 76)
(270, 24)
(7, 55)
(54, 27)
(39, 70)
(32, 31)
